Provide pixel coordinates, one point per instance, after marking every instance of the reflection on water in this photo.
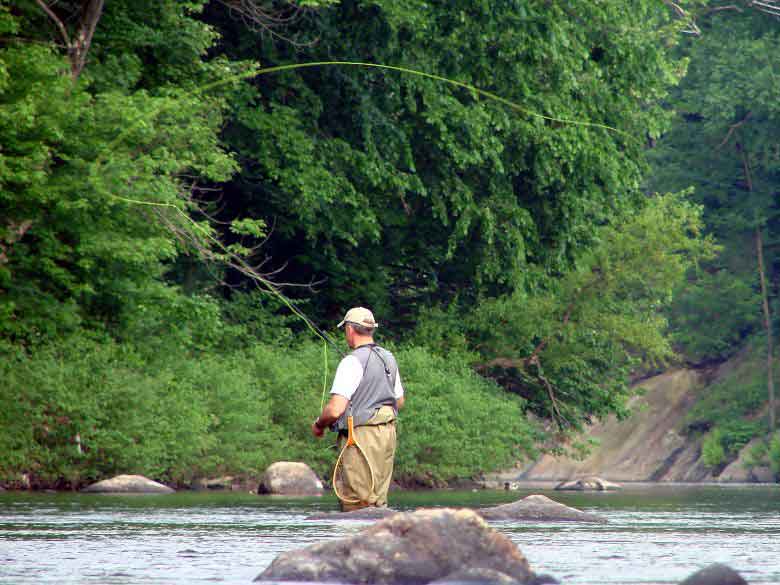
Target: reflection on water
(657, 534)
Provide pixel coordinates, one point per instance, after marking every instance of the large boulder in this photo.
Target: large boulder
(588, 484)
(408, 548)
(715, 574)
(536, 508)
(128, 484)
(290, 478)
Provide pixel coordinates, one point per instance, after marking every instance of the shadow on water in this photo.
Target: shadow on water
(656, 534)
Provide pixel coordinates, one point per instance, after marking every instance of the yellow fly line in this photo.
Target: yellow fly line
(257, 278)
(337, 468)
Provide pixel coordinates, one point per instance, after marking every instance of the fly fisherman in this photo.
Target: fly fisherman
(367, 386)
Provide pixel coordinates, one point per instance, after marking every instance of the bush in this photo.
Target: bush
(712, 452)
(774, 454)
(711, 316)
(89, 407)
(455, 423)
(739, 393)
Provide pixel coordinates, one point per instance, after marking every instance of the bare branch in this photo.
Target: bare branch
(77, 45)
(732, 129)
(256, 17)
(722, 8)
(692, 29)
(56, 20)
(767, 6)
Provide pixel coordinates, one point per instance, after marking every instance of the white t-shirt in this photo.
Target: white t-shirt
(348, 376)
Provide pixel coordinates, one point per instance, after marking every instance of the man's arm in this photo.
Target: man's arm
(399, 402)
(330, 414)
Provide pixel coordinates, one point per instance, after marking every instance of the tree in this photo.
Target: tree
(726, 146)
(409, 192)
(77, 247)
(570, 348)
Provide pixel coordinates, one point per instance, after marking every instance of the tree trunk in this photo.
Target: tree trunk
(770, 379)
(79, 41)
(768, 326)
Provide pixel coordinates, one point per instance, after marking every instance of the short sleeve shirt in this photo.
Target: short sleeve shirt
(348, 376)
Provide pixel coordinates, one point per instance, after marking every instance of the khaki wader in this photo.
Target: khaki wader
(377, 441)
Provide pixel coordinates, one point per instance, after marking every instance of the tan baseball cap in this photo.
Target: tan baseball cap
(359, 316)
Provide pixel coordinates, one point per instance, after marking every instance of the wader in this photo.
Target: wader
(374, 412)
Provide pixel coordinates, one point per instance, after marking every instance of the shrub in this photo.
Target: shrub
(774, 454)
(712, 451)
(456, 423)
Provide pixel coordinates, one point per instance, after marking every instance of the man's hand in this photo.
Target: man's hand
(330, 414)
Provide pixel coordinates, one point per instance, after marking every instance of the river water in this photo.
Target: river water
(656, 534)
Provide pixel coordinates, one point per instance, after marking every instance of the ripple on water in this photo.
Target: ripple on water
(656, 537)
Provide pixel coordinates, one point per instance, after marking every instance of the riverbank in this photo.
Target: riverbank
(671, 434)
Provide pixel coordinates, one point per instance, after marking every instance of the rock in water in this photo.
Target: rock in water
(588, 484)
(408, 548)
(128, 484)
(715, 574)
(488, 577)
(290, 478)
(538, 507)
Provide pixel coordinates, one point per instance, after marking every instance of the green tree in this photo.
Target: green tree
(410, 192)
(571, 346)
(725, 145)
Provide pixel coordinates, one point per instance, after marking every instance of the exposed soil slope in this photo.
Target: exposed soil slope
(648, 446)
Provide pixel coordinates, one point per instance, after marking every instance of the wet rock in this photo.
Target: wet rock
(369, 513)
(538, 507)
(588, 484)
(716, 574)
(762, 475)
(215, 483)
(128, 484)
(408, 548)
(738, 471)
(290, 478)
(488, 577)
(476, 577)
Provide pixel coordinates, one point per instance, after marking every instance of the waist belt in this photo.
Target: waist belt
(343, 432)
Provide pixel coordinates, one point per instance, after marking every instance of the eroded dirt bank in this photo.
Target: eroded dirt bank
(655, 443)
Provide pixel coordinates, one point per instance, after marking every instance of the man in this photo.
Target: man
(367, 386)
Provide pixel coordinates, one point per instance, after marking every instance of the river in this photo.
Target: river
(656, 534)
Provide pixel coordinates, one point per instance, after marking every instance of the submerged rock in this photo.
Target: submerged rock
(290, 478)
(408, 548)
(128, 484)
(585, 484)
(214, 483)
(488, 577)
(762, 475)
(538, 507)
(369, 513)
(715, 574)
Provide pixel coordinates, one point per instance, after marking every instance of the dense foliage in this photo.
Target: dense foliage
(151, 179)
(724, 144)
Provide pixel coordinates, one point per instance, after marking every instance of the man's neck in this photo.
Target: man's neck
(363, 341)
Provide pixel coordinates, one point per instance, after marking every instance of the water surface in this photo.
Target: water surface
(656, 534)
